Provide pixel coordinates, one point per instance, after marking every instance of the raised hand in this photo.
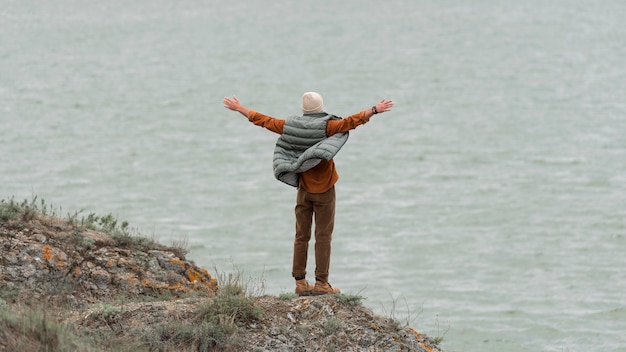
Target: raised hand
(384, 105)
(232, 104)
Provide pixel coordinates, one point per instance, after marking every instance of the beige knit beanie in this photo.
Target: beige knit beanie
(312, 102)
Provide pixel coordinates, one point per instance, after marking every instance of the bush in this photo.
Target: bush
(9, 210)
(239, 308)
(32, 330)
(221, 316)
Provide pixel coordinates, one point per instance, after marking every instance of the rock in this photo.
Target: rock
(274, 331)
(44, 251)
(82, 276)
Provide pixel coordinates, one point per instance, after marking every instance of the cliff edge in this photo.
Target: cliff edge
(95, 285)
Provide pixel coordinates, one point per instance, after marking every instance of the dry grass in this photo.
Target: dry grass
(239, 318)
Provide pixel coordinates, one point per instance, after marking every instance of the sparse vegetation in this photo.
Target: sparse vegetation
(237, 317)
(439, 338)
(233, 307)
(108, 314)
(395, 315)
(234, 283)
(236, 308)
(8, 210)
(331, 325)
(32, 329)
(287, 296)
(351, 300)
(122, 233)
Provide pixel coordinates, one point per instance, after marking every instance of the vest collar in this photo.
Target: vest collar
(316, 114)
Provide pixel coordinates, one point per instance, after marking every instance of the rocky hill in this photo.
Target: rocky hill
(94, 285)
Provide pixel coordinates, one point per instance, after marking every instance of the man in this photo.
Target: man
(303, 158)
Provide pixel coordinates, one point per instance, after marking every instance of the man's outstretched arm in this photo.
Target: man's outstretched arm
(353, 121)
(271, 123)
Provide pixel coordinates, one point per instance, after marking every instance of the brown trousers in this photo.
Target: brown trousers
(322, 205)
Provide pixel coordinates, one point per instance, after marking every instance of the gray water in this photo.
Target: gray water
(488, 207)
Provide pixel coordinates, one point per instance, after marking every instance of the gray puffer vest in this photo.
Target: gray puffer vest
(303, 145)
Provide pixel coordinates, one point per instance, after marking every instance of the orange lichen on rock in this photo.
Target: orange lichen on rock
(177, 287)
(47, 252)
(421, 340)
(178, 261)
(194, 275)
(202, 279)
(77, 270)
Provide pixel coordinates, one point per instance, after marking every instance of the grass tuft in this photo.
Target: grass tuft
(439, 338)
(233, 283)
(394, 314)
(287, 296)
(239, 308)
(9, 209)
(25, 210)
(221, 317)
(351, 300)
(31, 329)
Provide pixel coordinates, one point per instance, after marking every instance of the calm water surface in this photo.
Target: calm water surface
(490, 205)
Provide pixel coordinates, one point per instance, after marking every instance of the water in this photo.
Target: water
(490, 205)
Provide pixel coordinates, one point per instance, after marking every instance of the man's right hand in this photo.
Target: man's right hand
(234, 105)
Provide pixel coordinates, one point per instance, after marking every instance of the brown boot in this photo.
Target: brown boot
(323, 288)
(303, 287)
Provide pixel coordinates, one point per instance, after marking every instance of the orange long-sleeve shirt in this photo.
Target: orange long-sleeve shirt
(322, 177)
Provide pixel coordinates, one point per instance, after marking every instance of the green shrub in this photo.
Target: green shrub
(240, 308)
(351, 300)
(25, 210)
(9, 209)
